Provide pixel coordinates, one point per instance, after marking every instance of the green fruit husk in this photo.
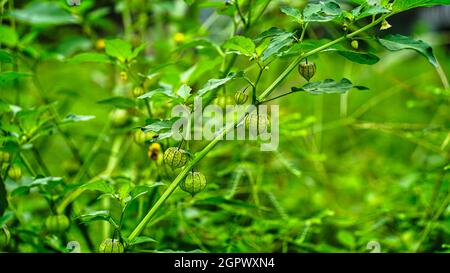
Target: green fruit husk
(194, 183)
(307, 70)
(175, 157)
(111, 246)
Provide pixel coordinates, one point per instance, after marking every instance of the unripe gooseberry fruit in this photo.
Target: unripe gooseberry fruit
(307, 70)
(355, 44)
(119, 117)
(257, 123)
(57, 223)
(240, 97)
(15, 173)
(111, 246)
(140, 137)
(175, 157)
(223, 101)
(138, 91)
(4, 157)
(194, 183)
(123, 76)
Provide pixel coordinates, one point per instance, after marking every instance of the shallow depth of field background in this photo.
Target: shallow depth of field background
(350, 169)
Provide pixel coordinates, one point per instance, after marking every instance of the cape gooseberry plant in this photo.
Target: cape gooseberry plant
(129, 201)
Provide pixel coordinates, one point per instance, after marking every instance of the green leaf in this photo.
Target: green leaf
(76, 118)
(278, 44)
(142, 190)
(293, 12)
(398, 42)
(5, 57)
(273, 31)
(279, 40)
(101, 215)
(368, 10)
(48, 182)
(8, 36)
(45, 13)
(359, 57)
(119, 49)
(137, 51)
(346, 238)
(305, 46)
(90, 57)
(6, 217)
(215, 83)
(98, 185)
(184, 92)
(158, 92)
(241, 45)
(141, 240)
(328, 86)
(120, 102)
(157, 125)
(12, 75)
(200, 44)
(324, 11)
(44, 181)
(402, 5)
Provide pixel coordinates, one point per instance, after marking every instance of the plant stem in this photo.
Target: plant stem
(430, 225)
(127, 22)
(230, 127)
(297, 61)
(40, 161)
(147, 105)
(27, 164)
(442, 76)
(240, 13)
(176, 181)
(262, 10)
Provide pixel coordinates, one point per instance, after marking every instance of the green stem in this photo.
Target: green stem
(240, 13)
(431, 223)
(176, 181)
(249, 16)
(127, 22)
(40, 161)
(442, 76)
(297, 61)
(27, 164)
(230, 127)
(304, 27)
(149, 110)
(112, 163)
(262, 10)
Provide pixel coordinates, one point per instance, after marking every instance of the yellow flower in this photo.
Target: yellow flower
(179, 37)
(154, 150)
(385, 25)
(100, 44)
